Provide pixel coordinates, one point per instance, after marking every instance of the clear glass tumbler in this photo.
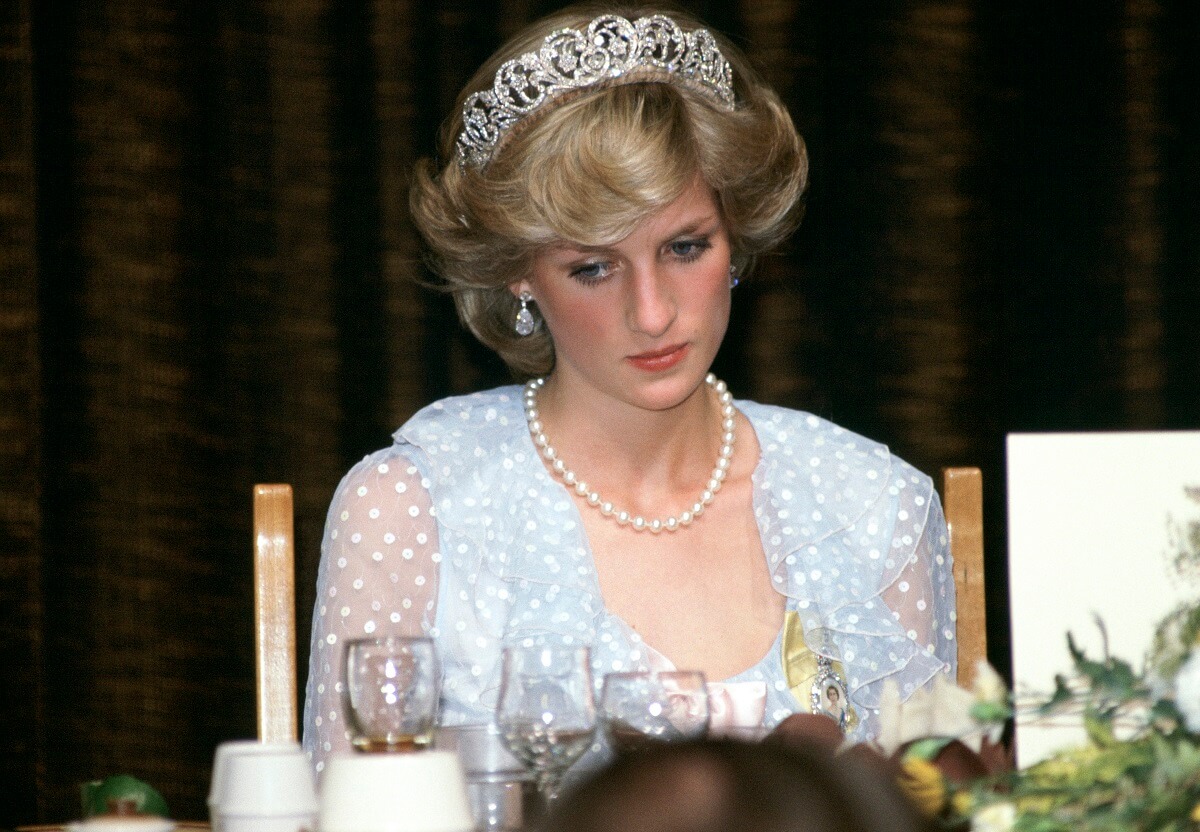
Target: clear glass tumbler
(391, 693)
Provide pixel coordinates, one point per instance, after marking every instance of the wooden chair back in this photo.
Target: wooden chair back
(962, 500)
(275, 614)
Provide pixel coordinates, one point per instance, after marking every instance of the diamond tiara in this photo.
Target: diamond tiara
(611, 50)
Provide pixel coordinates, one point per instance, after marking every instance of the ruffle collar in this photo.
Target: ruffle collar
(824, 500)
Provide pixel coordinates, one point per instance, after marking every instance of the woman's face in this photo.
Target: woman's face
(639, 320)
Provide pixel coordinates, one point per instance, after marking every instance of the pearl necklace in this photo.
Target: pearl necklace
(606, 508)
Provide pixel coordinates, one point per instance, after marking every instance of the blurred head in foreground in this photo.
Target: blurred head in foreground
(723, 786)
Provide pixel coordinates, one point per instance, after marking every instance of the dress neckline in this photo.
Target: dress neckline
(633, 635)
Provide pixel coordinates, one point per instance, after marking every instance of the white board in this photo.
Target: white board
(1089, 533)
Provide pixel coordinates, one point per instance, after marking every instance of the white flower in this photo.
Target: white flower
(941, 710)
(1187, 691)
(988, 687)
(999, 817)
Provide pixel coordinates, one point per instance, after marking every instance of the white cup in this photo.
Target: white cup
(422, 792)
(261, 787)
(296, 823)
(233, 748)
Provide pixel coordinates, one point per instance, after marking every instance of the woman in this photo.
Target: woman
(608, 179)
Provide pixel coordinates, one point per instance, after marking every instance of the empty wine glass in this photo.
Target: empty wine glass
(547, 715)
(647, 707)
(391, 693)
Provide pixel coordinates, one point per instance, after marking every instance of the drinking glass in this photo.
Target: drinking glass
(391, 693)
(498, 784)
(546, 714)
(641, 708)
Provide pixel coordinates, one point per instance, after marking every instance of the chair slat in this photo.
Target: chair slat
(275, 613)
(962, 499)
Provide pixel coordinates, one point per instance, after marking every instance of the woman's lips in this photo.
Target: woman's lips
(659, 360)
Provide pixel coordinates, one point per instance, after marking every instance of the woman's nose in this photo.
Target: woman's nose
(651, 303)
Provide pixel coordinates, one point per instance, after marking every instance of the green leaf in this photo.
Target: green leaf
(1038, 823)
(927, 748)
(97, 794)
(1101, 674)
(1062, 695)
(991, 711)
(1164, 710)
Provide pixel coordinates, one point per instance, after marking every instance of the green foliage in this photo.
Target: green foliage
(1173, 640)
(1144, 778)
(97, 794)
(928, 748)
(991, 712)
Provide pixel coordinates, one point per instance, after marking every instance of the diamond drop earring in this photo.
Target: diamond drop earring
(733, 278)
(524, 324)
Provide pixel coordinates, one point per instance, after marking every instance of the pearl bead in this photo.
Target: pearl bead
(605, 507)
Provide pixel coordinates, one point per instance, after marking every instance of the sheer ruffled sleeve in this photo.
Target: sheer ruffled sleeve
(914, 640)
(378, 576)
(856, 538)
(921, 595)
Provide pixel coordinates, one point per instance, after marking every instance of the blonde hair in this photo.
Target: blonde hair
(588, 167)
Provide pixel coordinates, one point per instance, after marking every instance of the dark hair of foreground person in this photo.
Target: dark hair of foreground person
(726, 786)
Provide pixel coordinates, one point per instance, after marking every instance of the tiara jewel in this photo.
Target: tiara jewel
(610, 50)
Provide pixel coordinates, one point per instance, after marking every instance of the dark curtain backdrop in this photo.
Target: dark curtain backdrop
(205, 282)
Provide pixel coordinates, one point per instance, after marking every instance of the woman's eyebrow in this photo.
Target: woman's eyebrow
(695, 225)
(568, 249)
(573, 250)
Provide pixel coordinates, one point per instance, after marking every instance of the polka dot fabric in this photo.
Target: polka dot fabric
(458, 532)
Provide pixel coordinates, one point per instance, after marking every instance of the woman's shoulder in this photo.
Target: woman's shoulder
(444, 423)
(455, 426)
(470, 450)
(806, 442)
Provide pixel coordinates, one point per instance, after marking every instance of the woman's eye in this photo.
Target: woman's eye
(590, 272)
(689, 250)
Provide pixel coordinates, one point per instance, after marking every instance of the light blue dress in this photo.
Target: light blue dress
(459, 532)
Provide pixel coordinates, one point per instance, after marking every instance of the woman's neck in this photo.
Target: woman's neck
(646, 460)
